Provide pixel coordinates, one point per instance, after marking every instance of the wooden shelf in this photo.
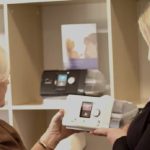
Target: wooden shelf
(4, 107)
(48, 1)
(102, 31)
(48, 104)
(35, 25)
(32, 1)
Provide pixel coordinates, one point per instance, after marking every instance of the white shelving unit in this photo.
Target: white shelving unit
(30, 32)
(49, 104)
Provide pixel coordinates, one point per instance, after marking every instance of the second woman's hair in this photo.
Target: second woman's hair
(4, 65)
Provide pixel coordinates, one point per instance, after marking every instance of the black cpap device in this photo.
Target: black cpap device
(77, 82)
(63, 82)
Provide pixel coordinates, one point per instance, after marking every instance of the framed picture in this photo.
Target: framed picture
(79, 46)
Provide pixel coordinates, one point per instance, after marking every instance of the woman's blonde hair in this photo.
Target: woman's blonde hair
(4, 65)
(144, 25)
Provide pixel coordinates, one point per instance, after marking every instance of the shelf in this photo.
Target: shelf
(35, 25)
(48, 104)
(102, 31)
(4, 107)
(49, 1)
(32, 1)
(25, 20)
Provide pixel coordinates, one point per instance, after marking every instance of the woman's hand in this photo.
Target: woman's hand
(112, 134)
(55, 131)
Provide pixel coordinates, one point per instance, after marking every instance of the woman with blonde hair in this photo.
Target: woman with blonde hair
(137, 135)
(9, 138)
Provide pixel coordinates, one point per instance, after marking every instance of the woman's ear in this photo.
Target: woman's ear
(3, 88)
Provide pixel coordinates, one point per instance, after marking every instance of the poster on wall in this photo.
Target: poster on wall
(79, 46)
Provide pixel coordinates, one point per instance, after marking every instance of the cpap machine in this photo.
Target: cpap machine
(86, 105)
(86, 113)
(77, 82)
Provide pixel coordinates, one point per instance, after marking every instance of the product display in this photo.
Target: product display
(80, 82)
(88, 112)
(97, 112)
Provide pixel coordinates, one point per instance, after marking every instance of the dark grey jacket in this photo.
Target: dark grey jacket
(9, 138)
(138, 136)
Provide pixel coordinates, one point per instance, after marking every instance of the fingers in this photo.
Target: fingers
(100, 131)
(58, 116)
(125, 127)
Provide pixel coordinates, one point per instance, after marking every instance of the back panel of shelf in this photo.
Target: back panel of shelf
(125, 50)
(72, 14)
(131, 66)
(26, 56)
(97, 142)
(31, 124)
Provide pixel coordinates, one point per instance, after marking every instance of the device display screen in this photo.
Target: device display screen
(62, 80)
(86, 109)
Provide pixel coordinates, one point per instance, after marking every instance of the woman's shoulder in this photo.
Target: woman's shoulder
(5, 126)
(146, 107)
(3, 123)
(147, 104)
(9, 136)
(144, 114)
